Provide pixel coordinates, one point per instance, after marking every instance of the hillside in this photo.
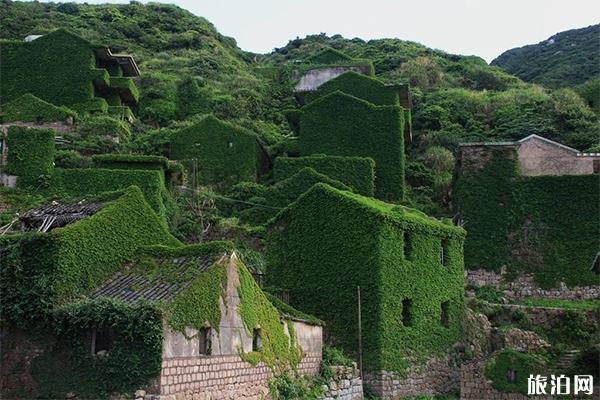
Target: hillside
(566, 59)
(188, 69)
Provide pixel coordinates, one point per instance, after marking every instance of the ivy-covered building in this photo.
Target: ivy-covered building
(64, 69)
(339, 124)
(218, 152)
(531, 208)
(409, 268)
(102, 299)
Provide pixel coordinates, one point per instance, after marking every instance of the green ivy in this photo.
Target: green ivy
(28, 108)
(30, 155)
(278, 351)
(225, 153)
(43, 270)
(328, 242)
(59, 68)
(66, 364)
(356, 127)
(497, 370)
(268, 200)
(356, 172)
(530, 224)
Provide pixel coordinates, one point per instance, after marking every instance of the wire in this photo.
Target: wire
(214, 195)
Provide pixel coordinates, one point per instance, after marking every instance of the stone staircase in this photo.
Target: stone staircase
(567, 359)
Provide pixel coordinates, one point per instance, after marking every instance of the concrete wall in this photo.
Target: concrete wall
(316, 77)
(539, 157)
(187, 375)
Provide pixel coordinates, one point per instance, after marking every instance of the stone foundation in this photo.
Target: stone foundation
(345, 385)
(525, 286)
(436, 376)
(220, 377)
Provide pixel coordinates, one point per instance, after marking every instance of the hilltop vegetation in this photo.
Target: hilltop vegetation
(565, 59)
(189, 70)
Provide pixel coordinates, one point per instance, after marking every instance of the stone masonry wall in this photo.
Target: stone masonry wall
(220, 377)
(346, 384)
(525, 286)
(437, 376)
(475, 386)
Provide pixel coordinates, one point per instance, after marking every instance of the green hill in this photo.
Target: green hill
(568, 58)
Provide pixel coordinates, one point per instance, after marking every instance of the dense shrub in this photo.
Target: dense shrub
(497, 370)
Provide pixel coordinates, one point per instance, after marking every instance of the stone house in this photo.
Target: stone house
(66, 70)
(539, 156)
(219, 152)
(217, 361)
(330, 245)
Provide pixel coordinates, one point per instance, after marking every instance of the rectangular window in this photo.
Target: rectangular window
(407, 245)
(406, 312)
(102, 341)
(444, 315)
(256, 340)
(444, 252)
(204, 341)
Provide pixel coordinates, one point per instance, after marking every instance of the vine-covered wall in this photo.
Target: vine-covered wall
(225, 153)
(28, 108)
(60, 68)
(343, 125)
(329, 242)
(356, 172)
(358, 85)
(30, 155)
(545, 225)
(266, 201)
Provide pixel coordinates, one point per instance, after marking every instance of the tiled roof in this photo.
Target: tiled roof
(55, 215)
(131, 287)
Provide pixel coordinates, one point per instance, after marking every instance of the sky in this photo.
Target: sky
(471, 27)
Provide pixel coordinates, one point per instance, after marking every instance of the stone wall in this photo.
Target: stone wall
(525, 286)
(346, 384)
(436, 376)
(475, 386)
(526, 341)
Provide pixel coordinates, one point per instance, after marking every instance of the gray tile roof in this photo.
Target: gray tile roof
(55, 215)
(131, 287)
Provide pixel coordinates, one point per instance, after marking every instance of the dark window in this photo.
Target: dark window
(511, 376)
(407, 245)
(256, 340)
(102, 341)
(406, 312)
(444, 252)
(596, 166)
(444, 316)
(204, 341)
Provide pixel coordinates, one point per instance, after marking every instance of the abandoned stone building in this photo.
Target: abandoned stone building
(330, 245)
(174, 322)
(64, 69)
(531, 211)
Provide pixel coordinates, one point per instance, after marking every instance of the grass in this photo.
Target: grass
(581, 305)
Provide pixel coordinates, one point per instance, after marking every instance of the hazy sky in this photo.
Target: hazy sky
(481, 27)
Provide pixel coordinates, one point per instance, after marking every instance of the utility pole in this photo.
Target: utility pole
(359, 336)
